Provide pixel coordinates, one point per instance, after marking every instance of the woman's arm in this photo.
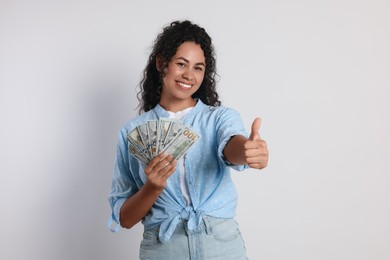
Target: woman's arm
(252, 151)
(139, 204)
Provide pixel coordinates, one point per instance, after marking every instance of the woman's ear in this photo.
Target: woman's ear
(158, 62)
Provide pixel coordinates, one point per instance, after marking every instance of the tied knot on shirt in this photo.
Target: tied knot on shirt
(187, 213)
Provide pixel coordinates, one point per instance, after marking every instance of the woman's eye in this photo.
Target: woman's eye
(181, 64)
(199, 68)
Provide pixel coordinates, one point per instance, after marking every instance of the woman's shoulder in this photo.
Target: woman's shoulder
(220, 110)
(137, 120)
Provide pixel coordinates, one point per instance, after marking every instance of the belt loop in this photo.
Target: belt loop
(207, 225)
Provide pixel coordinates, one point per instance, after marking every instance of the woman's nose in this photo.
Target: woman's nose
(188, 75)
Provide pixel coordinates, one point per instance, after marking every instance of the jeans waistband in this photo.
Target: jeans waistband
(206, 225)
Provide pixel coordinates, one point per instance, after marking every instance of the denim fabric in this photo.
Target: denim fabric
(214, 239)
(207, 173)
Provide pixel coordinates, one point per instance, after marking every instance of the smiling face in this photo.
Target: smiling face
(183, 77)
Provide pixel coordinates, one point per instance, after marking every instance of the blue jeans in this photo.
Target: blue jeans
(214, 239)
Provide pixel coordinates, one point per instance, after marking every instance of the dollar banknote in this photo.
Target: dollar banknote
(143, 133)
(152, 137)
(135, 139)
(163, 128)
(135, 152)
(181, 143)
(164, 135)
(168, 129)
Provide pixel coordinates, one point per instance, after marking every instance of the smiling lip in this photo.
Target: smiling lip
(183, 85)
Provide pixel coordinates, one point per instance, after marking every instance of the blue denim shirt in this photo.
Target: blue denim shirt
(207, 174)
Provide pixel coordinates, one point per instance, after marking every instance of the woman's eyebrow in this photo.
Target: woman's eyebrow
(187, 61)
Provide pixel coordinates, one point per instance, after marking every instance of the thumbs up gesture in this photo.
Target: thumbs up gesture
(256, 151)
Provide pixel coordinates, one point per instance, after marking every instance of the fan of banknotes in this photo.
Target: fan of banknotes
(164, 135)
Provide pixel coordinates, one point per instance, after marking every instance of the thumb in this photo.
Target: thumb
(255, 135)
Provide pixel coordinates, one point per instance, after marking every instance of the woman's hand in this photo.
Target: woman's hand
(138, 205)
(159, 170)
(256, 151)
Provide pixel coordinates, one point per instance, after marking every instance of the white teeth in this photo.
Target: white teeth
(184, 85)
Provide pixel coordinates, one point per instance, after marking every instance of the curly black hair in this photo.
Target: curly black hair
(165, 47)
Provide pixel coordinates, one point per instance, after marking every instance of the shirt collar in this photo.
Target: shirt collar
(161, 112)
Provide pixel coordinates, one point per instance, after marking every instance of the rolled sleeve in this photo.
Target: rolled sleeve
(229, 124)
(123, 184)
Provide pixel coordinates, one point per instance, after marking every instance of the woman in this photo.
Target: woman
(187, 206)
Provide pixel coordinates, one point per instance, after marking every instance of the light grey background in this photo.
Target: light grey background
(317, 72)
